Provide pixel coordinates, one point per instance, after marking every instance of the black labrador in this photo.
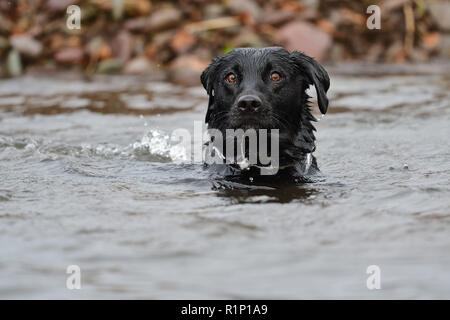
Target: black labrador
(265, 89)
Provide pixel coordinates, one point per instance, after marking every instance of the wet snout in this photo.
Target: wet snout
(249, 103)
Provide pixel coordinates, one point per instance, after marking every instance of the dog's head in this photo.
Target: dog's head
(263, 89)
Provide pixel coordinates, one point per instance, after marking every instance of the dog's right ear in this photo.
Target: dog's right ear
(316, 75)
(208, 78)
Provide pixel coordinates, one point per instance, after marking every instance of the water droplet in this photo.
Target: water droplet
(405, 166)
(251, 179)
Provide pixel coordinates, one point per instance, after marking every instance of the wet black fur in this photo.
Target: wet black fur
(285, 103)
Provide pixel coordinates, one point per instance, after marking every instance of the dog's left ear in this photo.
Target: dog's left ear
(316, 75)
(208, 78)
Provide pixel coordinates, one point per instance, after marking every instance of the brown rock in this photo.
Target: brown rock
(418, 55)
(390, 5)
(5, 24)
(137, 7)
(69, 55)
(247, 38)
(131, 7)
(373, 54)
(444, 46)
(349, 17)
(59, 5)
(4, 44)
(150, 51)
(277, 17)
(245, 6)
(305, 37)
(104, 52)
(56, 42)
(121, 45)
(158, 48)
(212, 11)
(431, 40)
(93, 47)
(183, 41)
(138, 65)
(327, 26)
(161, 19)
(395, 53)
(337, 53)
(74, 41)
(186, 70)
(136, 24)
(294, 6)
(440, 11)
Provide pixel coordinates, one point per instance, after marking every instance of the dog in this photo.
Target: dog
(266, 89)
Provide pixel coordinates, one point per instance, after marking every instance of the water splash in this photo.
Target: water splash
(156, 143)
(154, 146)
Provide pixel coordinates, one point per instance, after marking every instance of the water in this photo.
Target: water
(89, 177)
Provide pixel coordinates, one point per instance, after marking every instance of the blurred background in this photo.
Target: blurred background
(179, 38)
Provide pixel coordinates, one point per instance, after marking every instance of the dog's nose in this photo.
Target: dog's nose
(249, 103)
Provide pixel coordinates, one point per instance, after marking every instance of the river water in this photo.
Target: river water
(90, 177)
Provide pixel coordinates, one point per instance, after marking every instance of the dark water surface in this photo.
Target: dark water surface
(90, 177)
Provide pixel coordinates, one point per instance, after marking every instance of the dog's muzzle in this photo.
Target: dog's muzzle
(249, 103)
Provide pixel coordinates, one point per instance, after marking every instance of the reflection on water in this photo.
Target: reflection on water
(259, 195)
(89, 176)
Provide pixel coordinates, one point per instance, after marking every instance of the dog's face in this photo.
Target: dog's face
(263, 89)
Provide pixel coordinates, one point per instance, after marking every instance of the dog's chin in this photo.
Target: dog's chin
(247, 123)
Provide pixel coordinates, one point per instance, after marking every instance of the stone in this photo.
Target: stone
(130, 7)
(136, 24)
(277, 17)
(6, 25)
(26, 45)
(431, 40)
(159, 20)
(247, 38)
(112, 65)
(70, 55)
(59, 5)
(305, 37)
(444, 46)
(213, 11)
(121, 45)
(183, 41)
(440, 11)
(163, 19)
(186, 69)
(245, 6)
(138, 65)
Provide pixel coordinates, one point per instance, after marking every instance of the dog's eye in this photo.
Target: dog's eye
(231, 78)
(275, 76)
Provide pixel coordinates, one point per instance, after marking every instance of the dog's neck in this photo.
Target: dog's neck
(292, 153)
